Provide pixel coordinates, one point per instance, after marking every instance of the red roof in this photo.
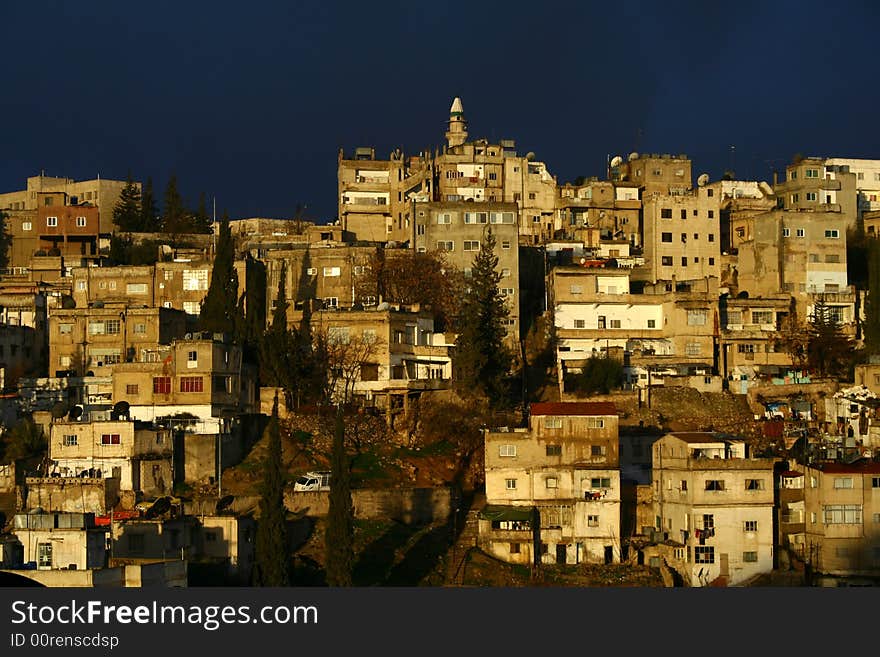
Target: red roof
(573, 408)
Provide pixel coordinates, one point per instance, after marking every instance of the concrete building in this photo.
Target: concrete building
(681, 236)
(60, 541)
(95, 339)
(553, 489)
(458, 229)
(613, 208)
(100, 192)
(750, 330)
(375, 196)
(663, 174)
(138, 455)
(717, 504)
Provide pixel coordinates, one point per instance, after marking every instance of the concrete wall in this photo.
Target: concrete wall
(409, 505)
(72, 494)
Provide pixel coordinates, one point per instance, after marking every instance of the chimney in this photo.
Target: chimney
(775, 177)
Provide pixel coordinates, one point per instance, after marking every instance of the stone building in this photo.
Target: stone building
(717, 504)
(553, 489)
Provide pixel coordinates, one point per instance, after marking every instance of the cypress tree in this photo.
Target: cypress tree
(272, 555)
(339, 537)
(127, 213)
(174, 214)
(872, 303)
(219, 312)
(277, 348)
(149, 222)
(5, 240)
(482, 360)
(201, 222)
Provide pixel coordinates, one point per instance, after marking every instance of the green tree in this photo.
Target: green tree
(128, 213)
(599, 376)
(220, 309)
(201, 220)
(149, 222)
(482, 360)
(339, 537)
(871, 330)
(120, 250)
(5, 240)
(272, 554)
(25, 440)
(277, 347)
(829, 351)
(175, 217)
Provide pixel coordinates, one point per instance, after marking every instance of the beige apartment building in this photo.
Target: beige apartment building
(681, 236)
(385, 357)
(458, 229)
(554, 486)
(659, 330)
(179, 285)
(375, 196)
(716, 503)
(750, 329)
(100, 192)
(614, 208)
(814, 184)
(95, 339)
(60, 541)
(139, 456)
(664, 174)
(842, 513)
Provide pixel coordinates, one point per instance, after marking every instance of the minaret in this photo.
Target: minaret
(457, 132)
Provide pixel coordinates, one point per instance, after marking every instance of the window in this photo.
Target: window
(666, 261)
(666, 213)
(44, 555)
(554, 450)
(332, 271)
(195, 279)
(592, 521)
(161, 385)
(600, 482)
(696, 317)
(169, 275)
(711, 212)
(111, 326)
(684, 262)
(597, 450)
(191, 384)
(813, 257)
(505, 244)
(711, 260)
(800, 232)
(652, 323)
(110, 439)
(551, 422)
(575, 289)
(80, 222)
(843, 482)
(762, 317)
(507, 291)
(136, 288)
(832, 257)
(510, 484)
(875, 482)
(471, 245)
(26, 225)
(514, 547)
(811, 173)
(665, 237)
(507, 450)
(704, 554)
(811, 196)
(692, 349)
(684, 485)
(51, 221)
(70, 440)
(795, 198)
(444, 218)
(595, 423)
(750, 557)
(192, 307)
(551, 482)
(446, 245)
(131, 388)
(832, 233)
(754, 484)
(580, 323)
(750, 526)
(614, 323)
(714, 484)
(786, 232)
(843, 514)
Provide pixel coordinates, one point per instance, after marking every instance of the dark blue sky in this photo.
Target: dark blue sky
(250, 101)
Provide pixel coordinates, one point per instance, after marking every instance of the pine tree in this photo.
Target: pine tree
(482, 360)
(828, 349)
(5, 240)
(149, 222)
(201, 221)
(277, 347)
(339, 537)
(175, 218)
(872, 303)
(272, 555)
(219, 312)
(127, 213)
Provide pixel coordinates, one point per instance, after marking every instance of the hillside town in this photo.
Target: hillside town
(647, 378)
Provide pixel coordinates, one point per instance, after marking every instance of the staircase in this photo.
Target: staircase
(466, 523)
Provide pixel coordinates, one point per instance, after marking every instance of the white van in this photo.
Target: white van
(312, 481)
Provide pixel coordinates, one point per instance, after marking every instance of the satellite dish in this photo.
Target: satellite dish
(224, 502)
(616, 161)
(59, 410)
(703, 179)
(75, 412)
(383, 306)
(530, 156)
(120, 410)
(633, 156)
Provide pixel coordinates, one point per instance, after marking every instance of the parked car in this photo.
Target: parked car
(312, 481)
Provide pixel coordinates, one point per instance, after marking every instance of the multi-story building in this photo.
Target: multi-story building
(750, 332)
(24, 342)
(554, 486)
(375, 196)
(842, 512)
(384, 356)
(613, 208)
(458, 229)
(717, 504)
(138, 455)
(56, 541)
(663, 174)
(94, 339)
(101, 192)
(659, 330)
(681, 235)
(814, 184)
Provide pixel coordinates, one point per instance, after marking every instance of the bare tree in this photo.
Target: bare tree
(342, 358)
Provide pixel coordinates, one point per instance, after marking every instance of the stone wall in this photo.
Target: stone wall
(72, 494)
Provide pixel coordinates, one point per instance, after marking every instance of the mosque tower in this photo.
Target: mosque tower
(457, 132)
